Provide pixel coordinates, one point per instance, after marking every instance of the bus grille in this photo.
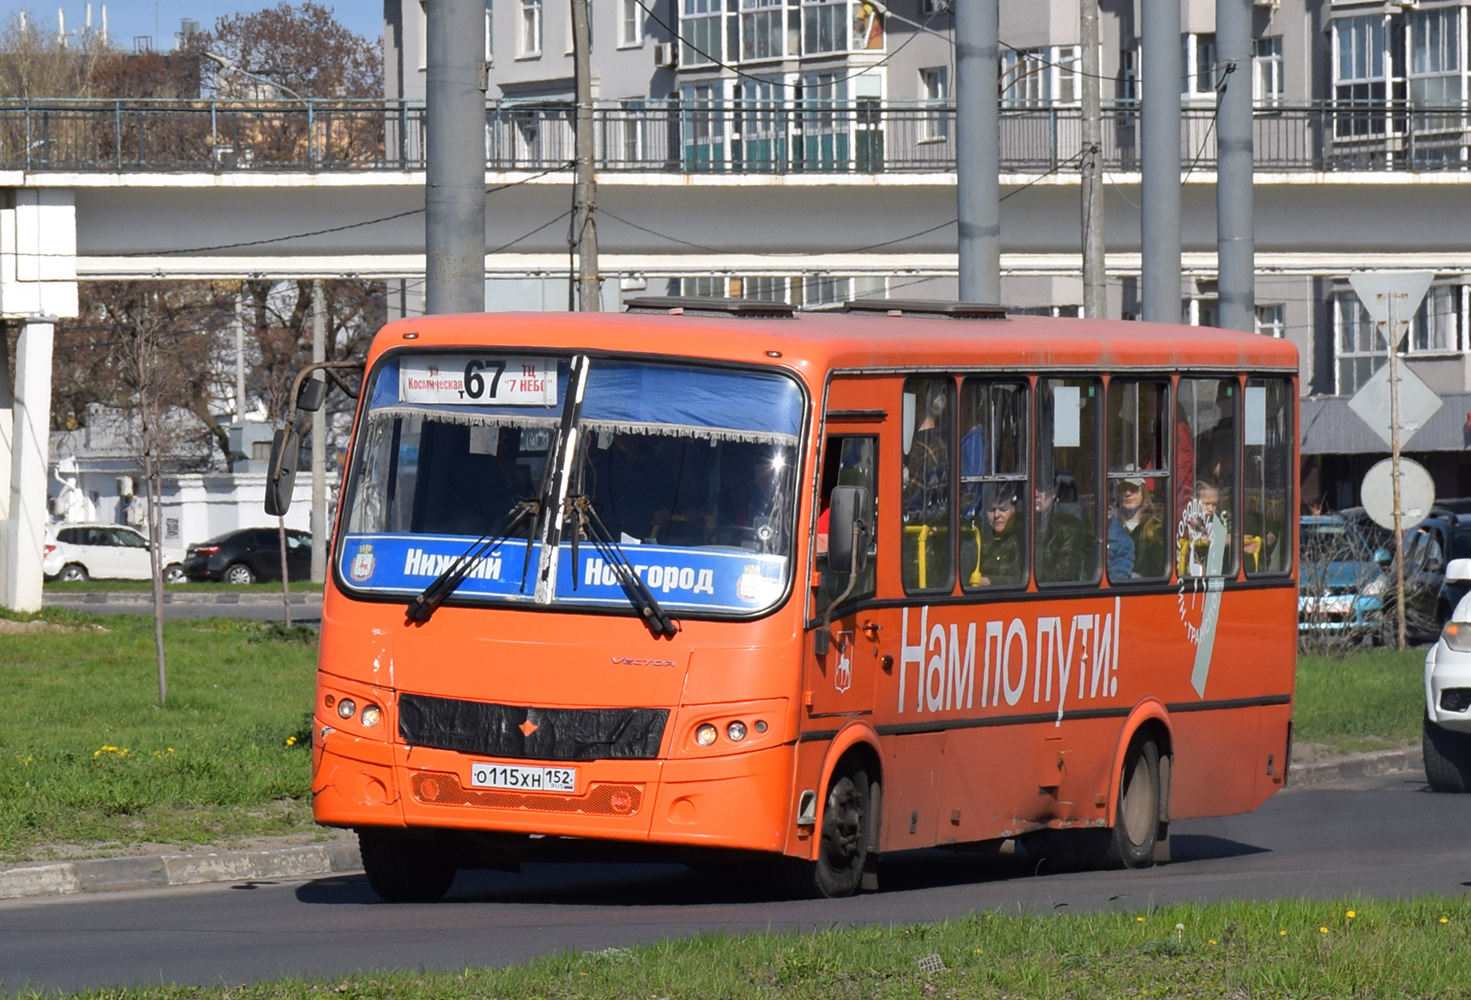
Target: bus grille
(519, 732)
(600, 800)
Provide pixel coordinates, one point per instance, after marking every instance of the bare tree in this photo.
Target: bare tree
(301, 47)
(36, 61)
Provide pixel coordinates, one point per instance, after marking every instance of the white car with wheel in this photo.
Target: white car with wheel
(104, 552)
(1447, 729)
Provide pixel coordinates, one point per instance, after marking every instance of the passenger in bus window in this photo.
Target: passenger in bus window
(1135, 513)
(1120, 551)
(1198, 524)
(1001, 541)
(1065, 544)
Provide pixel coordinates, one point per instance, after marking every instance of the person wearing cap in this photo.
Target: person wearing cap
(1135, 514)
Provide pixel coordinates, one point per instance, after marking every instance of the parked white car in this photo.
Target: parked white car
(104, 552)
(1447, 731)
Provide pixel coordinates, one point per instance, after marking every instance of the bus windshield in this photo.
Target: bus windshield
(692, 469)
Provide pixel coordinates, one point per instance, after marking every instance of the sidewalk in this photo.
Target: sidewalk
(144, 598)
(302, 861)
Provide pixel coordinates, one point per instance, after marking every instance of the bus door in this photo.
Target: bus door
(840, 683)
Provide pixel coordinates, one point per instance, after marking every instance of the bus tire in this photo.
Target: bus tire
(842, 849)
(402, 870)
(1136, 814)
(1447, 758)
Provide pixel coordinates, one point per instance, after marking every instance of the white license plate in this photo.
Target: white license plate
(523, 779)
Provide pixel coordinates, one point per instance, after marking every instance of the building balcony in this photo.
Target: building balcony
(661, 136)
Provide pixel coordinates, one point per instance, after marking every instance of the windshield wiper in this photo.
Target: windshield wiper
(422, 608)
(644, 602)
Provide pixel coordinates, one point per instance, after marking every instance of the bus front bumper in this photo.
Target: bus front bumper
(736, 801)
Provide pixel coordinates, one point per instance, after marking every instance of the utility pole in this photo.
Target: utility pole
(978, 149)
(585, 192)
(1235, 237)
(1394, 478)
(1162, 77)
(319, 443)
(1095, 292)
(454, 195)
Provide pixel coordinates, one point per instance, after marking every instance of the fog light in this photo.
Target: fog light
(1455, 699)
(345, 708)
(706, 734)
(372, 715)
(760, 726)
(736, 731)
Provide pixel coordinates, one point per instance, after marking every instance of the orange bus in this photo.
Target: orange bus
(714, 580)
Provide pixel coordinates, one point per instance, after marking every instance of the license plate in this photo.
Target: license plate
(522, 778)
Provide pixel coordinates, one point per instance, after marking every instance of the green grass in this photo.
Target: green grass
(1266, 951)
(1371, 700)
(106, 586)
(87, 756)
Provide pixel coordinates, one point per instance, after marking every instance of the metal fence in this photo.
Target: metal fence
(681, 137)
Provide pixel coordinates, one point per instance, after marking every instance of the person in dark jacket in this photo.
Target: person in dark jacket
(1001, 542)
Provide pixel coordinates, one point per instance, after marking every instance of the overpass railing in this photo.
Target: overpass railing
(756, 137)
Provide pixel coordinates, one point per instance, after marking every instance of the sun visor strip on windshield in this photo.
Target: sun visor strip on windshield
(637, 393)
(528, 733)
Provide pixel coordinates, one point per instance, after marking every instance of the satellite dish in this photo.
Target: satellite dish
(1416, 493)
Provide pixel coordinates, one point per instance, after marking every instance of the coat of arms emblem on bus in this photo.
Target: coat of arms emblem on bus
(363, 563)
(843, 674)
(1201, 546)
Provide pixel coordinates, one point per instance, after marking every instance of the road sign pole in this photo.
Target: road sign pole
(1394, 478)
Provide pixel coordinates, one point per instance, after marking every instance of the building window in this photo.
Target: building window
(931, 7)
(1267, 88)
(1128, 83)
(630, 25)
(1358, 69)
(1198, 57)
(1271, 320)
(705, 287)
(1357, 342)
(1435, 66)
(821, 290)
(699, 31)
(823, 26)
(935, 85)
(761, 30)
(490, 31)
(1034, 78)
(530, 42)
(1436, 328)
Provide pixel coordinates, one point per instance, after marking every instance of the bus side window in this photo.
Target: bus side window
(847, 460)
(1066, 500)
(1206, 443)
(1267, 480)
(1139, 478)
(929, 422)
(995, 505)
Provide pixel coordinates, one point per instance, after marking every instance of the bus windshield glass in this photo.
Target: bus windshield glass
(692, 469)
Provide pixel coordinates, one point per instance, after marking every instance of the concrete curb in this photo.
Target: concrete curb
(161, 870)
(1357, 765)
(143, 598)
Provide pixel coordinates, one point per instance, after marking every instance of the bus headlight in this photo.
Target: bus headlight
(736, 731)
(705, 735)
(346, 707)
(372, 715)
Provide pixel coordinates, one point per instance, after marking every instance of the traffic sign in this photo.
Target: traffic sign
(1376, 288)
(1416, 493)
(1417, 404)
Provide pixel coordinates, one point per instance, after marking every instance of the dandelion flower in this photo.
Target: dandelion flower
(1213, 940)
(1350, 914)
(1281, 933)
(1322, 930)
(291, 742)
(1445, 920)
(1140, 919)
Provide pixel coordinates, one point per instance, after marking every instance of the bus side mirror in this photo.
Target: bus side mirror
(281, 474)
(313, 394)
(850, 530)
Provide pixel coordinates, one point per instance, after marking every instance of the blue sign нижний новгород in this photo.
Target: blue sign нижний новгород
(695, 579)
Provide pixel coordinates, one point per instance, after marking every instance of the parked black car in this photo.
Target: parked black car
(248, 555)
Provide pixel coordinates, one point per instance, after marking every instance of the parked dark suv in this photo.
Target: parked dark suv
(248, 555)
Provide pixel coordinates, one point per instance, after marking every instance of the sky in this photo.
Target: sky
(127, 19)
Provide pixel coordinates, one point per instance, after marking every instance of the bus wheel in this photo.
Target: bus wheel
(401, 870)
(1136, 819)
(1447, 758)
(842, 851)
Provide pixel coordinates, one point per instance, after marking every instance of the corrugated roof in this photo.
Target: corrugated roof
(1329, 427)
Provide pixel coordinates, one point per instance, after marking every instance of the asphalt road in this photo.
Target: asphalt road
(1378, 837)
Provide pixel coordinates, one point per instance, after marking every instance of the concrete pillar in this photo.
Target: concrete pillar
(26, 458)
(319, 443)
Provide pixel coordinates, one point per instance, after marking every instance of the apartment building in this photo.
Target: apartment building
(1363, 148)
